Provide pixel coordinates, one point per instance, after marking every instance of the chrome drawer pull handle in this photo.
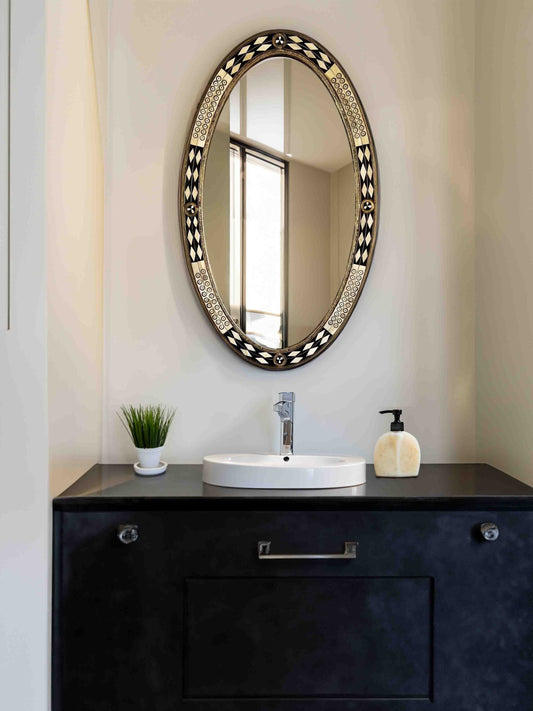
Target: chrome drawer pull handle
(263, 553)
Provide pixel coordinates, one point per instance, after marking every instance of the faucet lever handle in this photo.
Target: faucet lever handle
(286, 397)
(283, 409)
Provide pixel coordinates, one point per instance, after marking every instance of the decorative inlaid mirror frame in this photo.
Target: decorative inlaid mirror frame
(259, 47)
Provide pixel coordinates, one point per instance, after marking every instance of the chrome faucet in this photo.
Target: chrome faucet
(285, 410)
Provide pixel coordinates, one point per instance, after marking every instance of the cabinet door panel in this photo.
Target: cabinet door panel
(117, 626)
(308, 637)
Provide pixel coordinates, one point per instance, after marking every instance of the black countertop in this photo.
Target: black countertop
(438, 486)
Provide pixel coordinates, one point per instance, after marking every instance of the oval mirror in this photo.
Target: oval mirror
(278, 199)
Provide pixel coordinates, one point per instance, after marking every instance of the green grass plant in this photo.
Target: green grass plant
(147, 425)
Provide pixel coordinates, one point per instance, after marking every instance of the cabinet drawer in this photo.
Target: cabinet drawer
(386, 542)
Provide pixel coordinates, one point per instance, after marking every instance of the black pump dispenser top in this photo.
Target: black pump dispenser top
(397, 425)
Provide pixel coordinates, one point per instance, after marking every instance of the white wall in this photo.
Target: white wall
(410, 341)
(75, 224)
(24, 510)
(504, 249)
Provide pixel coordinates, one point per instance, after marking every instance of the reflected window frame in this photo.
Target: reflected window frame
(243, 150)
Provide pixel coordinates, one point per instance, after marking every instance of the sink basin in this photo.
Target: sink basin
(271, 471)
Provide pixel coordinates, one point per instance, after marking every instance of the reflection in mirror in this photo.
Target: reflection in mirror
(279, 202)
(4, 164)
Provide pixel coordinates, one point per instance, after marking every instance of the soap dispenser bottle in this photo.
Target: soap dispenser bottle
(397, 453)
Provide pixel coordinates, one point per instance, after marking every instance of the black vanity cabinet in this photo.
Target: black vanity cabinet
(173, 603)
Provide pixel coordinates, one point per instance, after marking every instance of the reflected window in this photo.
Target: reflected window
(258, 244)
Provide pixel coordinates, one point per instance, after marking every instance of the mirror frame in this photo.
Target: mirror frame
(259, 47)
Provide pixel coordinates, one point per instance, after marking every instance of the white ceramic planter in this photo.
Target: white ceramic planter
(149, 458)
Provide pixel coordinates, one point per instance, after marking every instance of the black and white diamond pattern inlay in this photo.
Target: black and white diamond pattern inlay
(247, 52)
(192, 174)
(251, 351)
(310, 348)
(248, 349)
(367, 219)
(311, 51)
(193, 237)
(276, 41)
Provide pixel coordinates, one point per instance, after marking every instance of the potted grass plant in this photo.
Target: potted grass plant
(148, 426)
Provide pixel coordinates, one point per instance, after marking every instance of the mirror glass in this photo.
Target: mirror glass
(279, 202)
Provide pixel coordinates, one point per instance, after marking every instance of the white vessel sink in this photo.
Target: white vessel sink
(272, 471)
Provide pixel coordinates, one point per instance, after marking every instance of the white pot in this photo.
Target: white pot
(149, 458)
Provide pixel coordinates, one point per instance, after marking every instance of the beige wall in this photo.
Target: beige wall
(411, 339)
(216, 206)
(308, 258)
(75, 241)
(4, 164)
(315, 132)
(342, 224)
(504, 248)
(24, 501)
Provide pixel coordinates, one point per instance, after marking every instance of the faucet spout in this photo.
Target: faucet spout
(285, 410)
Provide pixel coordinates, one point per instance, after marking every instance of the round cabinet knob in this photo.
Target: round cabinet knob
(489, 531)
(128, 533)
